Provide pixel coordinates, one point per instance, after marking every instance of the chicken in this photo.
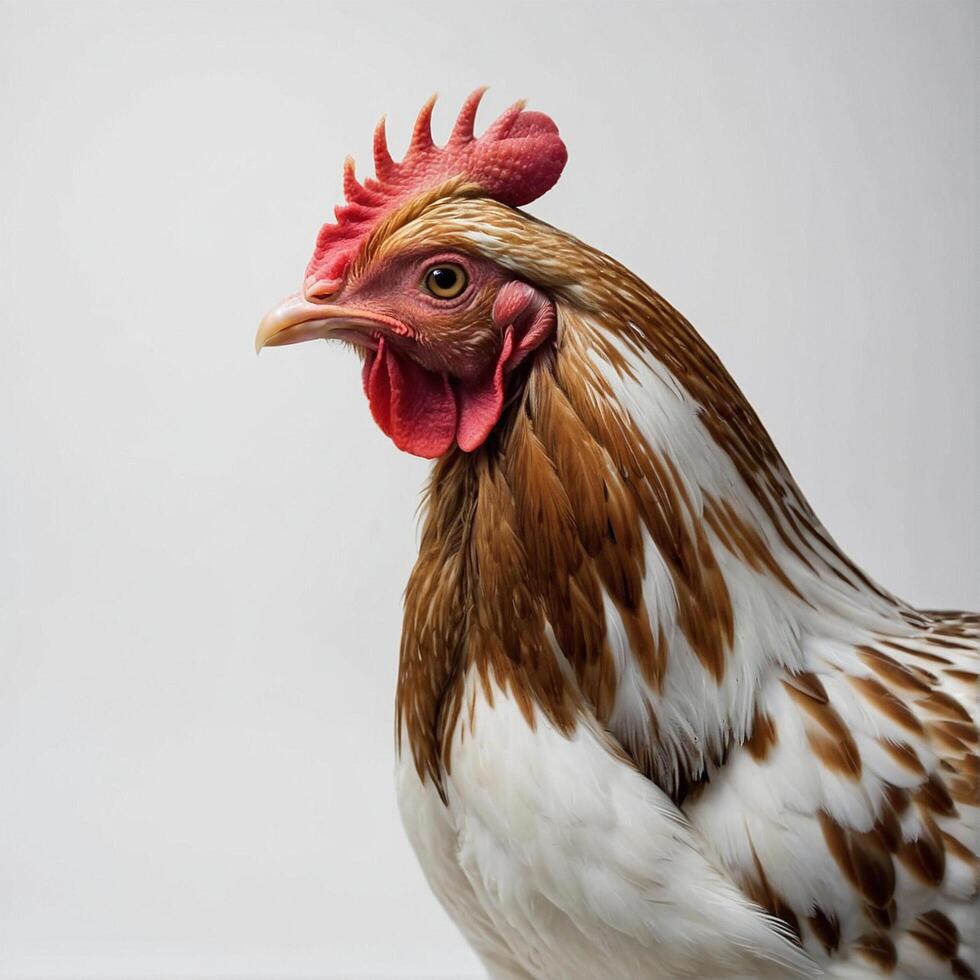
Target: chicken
(651, 721)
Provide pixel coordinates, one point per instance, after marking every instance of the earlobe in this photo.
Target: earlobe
(531, 315)
(526, 318)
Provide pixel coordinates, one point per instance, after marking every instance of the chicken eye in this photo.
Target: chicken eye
(445, 281)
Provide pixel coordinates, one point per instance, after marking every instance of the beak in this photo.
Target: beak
(295, 319)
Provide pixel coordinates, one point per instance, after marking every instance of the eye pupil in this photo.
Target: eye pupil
(445, 281)
(444, 277)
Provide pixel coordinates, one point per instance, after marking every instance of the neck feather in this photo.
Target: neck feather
(628, 543)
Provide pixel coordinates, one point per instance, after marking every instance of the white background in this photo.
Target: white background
(203, 553)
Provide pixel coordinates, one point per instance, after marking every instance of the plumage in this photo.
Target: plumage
(651, 721)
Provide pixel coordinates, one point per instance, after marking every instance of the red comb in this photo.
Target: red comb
(515, 161)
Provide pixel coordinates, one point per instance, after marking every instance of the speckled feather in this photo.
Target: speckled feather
(676, 593)
(652, 721)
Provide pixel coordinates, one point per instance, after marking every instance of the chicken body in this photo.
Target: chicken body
(651, 721)
(759, 763)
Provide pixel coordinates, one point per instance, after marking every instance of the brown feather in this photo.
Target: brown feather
(887, 703)
(863, 860)
(879, 949)
(925, 856)
(763, 736)
(937, 933)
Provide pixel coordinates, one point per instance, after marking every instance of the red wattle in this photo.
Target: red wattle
(422, 412)
(481, 402)
(412, 405)
(374, 378)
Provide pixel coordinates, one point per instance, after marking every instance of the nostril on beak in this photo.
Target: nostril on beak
(320, 290)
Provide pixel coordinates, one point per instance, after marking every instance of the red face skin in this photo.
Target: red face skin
(453, 336)
(435, 368)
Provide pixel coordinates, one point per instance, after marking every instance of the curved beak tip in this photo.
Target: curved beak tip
(284, 323)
